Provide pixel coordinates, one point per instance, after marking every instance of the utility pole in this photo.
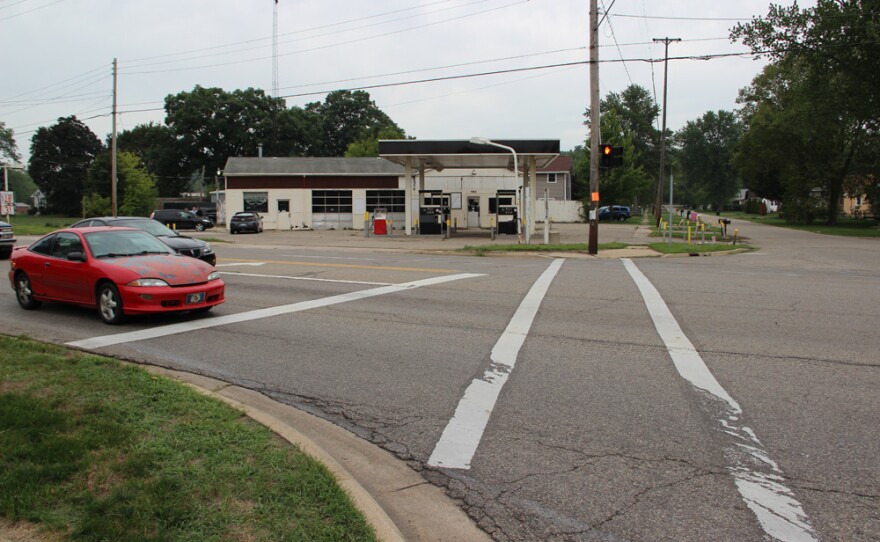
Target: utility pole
(113, 144)
(595, 129)
(657, 205)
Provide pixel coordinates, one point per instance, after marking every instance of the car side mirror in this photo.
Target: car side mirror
(77, 256)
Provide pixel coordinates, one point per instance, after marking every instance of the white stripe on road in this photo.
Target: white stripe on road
(460, 439)
(313, 279)
(152, 333)
(250, 264)
(758, 478)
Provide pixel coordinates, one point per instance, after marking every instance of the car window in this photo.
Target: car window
(44, 245)
(151, 226)
(65, 243)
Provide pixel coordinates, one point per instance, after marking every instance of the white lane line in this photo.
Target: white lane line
(251, 264)
(313, 279)
(460, 439)
(758, 478)
(183, 327)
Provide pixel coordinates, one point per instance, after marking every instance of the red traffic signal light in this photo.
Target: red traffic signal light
(610, 156)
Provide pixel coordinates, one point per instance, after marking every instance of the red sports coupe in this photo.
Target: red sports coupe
(121, 271)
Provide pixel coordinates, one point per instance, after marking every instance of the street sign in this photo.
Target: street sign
(7, 205)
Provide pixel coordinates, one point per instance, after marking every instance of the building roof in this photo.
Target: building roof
(293, 166)
(440, 154)
(560, 163)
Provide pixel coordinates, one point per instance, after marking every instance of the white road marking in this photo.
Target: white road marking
(460, 439)
(183, 327)
(757, 477)
(236, 273)
(252, 264)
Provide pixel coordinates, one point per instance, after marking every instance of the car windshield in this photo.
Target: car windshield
(148, 225)
(116, 244)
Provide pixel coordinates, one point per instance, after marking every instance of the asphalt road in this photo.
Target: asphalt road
(738, 401)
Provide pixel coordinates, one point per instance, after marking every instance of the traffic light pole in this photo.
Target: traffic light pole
(595, 129)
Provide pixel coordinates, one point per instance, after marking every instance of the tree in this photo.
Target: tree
(707, 147)
(60, 157)
(347, 117)
(210, 125)
(369, 145)
(135, 187)
(8, 147)
(821, 93)
(158, 151)
(636, 114)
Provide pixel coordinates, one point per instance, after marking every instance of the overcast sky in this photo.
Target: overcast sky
(57, 57)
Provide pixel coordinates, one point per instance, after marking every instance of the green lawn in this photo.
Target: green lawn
(847, 227)
(92, 449)
(23, 224)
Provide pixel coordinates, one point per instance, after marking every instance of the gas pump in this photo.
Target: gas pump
(433, 212)
(506, 212)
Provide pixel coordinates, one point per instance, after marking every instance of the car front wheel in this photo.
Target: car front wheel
(110, 304)
(200, 227)
(24, 294)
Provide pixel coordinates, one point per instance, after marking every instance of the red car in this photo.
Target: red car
(121, 271)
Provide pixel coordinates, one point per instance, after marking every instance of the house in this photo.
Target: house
(38, 199)
(857, 206)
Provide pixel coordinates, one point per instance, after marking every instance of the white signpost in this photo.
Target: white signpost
(7, 205)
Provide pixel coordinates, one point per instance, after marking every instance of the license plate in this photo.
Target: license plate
(195, 298)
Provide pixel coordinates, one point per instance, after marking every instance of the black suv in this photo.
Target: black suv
(178, 243)
(181, 220)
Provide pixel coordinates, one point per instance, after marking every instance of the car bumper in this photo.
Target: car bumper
(244, 227)
(140, 300)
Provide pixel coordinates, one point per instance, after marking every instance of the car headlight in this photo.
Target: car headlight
(208, 248)
(148, 282)
(214, 275)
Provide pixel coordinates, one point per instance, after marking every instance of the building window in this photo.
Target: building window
(551, 178)
(393, 201)
(284, 206)
(256, 202)
(331, 201)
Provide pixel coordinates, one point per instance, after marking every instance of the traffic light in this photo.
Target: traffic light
(610, 156)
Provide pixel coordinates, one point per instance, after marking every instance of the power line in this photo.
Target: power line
(31, 10)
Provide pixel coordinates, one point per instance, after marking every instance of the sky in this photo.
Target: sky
(441, 69)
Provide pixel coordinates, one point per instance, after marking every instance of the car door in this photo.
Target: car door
(66, 279)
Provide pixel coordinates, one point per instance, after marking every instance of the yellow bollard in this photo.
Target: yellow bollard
(689, 235)
(735, 235)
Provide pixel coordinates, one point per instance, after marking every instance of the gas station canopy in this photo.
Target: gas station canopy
(463, 154)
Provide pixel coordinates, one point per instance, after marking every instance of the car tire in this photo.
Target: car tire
(25, 294)
(110, 304)
(200, 227)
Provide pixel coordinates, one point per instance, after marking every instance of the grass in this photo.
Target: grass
(576, 247)
(39, 224)
(845, 227)
(684, 248)
(92, 449)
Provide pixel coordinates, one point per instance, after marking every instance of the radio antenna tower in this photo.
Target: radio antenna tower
(275, 50)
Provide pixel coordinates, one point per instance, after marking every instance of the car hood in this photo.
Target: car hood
(174, 269)
(181, 242)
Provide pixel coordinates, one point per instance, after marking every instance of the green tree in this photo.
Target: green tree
(8, 147)
(60, 157)
(369, 145)
(821, 92)
(346, 117)
(22, 185)
(209, 125)
(157, 149)
(135, 187)
(707, 147)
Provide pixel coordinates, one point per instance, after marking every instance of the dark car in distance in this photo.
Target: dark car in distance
(246, 221)
(181, 220)
(614, 212)
(179, 243)
(7, 240)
